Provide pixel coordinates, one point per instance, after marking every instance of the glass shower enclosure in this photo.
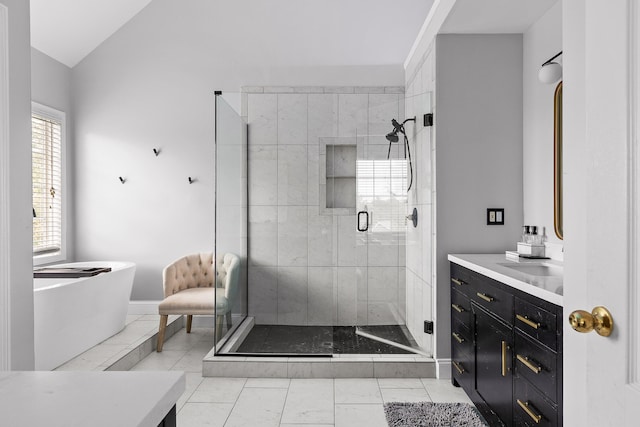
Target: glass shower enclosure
(313, 198)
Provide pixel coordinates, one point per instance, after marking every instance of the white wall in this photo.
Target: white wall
(19, 258)
(478, 121)
(151, 85)
(540, 42)
(51, 86)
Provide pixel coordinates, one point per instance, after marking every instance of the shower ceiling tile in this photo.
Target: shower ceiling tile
(292, 119)
(262, 118)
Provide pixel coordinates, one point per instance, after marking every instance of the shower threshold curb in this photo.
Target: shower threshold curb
(336, 366)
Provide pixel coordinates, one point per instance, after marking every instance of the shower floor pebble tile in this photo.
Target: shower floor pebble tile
(283, 402)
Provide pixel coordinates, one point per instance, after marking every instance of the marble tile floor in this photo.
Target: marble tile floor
(127, 347)
(284, 402)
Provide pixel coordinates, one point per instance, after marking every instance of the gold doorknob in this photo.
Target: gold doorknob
(599, 319)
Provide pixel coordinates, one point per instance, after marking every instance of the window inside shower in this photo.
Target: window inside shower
(325, 235)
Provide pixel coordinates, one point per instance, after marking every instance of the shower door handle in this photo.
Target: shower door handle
(366, 224)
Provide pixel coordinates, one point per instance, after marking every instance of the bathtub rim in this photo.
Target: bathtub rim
(52, 283)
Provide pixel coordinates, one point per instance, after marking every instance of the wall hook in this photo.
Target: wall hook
(191, 180)
(122, 180)
(156, 152)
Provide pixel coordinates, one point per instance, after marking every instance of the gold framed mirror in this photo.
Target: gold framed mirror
(557, 161)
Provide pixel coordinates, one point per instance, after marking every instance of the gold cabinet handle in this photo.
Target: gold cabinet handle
(458, 337)
(457, 308)
(526, 362)
(599, 319)
(485, 297)
(504, 358)
(458, 367)
(458, 281)
(527, 321)
(525, 406)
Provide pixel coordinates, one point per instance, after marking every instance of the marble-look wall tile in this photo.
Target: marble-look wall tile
(313, 175)
(352, 114)
(292, 119)
(383, 250)
(292, 175)
(321, 243)
(322, 306)
(263, 174)
(263, 295)
(323, 116)
(262, 118)
(292, 236)
(383, 108)
(402, 294)
(263, 232)
(352, 247)
(292, 295)
(383, 284)
(347, 296)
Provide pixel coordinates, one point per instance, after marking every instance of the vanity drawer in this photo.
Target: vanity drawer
(461, 308)
(462, 364)
(461, 337)
(537, 364)
(462, 279)
(494, 299)
(537, 322)
(530, 408)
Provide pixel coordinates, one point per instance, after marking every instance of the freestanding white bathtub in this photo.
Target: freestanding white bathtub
(73, 315)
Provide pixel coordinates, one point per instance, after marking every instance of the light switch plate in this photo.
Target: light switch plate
(495, 216)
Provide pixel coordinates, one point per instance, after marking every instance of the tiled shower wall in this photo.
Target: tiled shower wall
(305, 265)
(420, 99)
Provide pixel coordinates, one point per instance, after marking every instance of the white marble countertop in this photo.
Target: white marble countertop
(496, 266)
(68, 398)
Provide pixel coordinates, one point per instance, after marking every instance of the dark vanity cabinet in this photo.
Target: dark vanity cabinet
(506, 350)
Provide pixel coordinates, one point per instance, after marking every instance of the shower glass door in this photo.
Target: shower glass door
(382, 179)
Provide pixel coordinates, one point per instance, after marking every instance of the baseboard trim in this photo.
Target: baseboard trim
(143, 307)
(443, 369)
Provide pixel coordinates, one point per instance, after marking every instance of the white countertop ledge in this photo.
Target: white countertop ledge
(548, 288)
(97, 399)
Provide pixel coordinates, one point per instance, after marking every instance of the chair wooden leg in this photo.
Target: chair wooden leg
(228, 321)
(218, 328)
(189, 320)
(163, 327)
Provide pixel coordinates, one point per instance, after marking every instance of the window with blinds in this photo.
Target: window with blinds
(47, 139)
(382, 187)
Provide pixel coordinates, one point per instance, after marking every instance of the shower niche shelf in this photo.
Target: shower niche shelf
(338, 175)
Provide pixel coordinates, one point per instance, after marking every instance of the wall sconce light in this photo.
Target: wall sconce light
(550, 72)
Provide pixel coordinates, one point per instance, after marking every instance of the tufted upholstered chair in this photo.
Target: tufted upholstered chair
(188, 290)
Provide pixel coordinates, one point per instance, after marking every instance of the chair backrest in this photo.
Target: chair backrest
(228, 274)
(191, 271)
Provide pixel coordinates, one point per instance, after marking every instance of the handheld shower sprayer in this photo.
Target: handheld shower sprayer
(392, 137)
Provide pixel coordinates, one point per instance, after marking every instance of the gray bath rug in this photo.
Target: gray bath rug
(428, 414)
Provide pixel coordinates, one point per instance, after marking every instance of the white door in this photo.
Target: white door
(602, 207)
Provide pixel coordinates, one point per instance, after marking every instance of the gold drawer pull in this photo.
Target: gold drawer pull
(458, 367)
(457, 308)
(527, 321)
(526, 362)
(525, 406)
(485, 297)
(458, 337)
(504, 358)
(458, 282)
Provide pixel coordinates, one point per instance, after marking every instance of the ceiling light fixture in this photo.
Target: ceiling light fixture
(550, 72)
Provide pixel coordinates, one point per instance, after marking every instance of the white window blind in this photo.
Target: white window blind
(47, 183)
(382, 187)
